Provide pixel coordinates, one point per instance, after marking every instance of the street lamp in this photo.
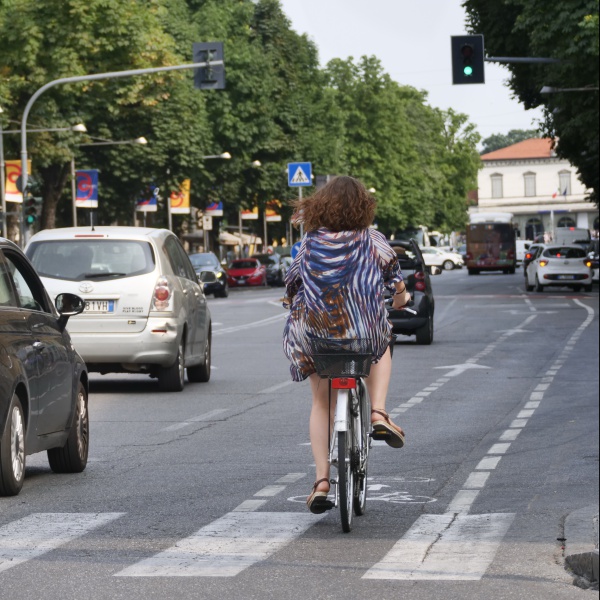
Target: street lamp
(223, 155)
(78, 128)
(101, 142)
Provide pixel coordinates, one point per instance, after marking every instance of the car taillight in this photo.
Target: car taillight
(528, 256)
(420, 281)
(162, 294)
(543, 263)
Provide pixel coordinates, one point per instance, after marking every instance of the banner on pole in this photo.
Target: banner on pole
(148, 201)
(271, 211)
(86, 195)
(180, 201)
(214, 210)
(13, 172)
(249, 213)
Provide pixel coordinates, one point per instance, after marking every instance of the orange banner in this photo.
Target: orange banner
(180, 201)
(13, 172)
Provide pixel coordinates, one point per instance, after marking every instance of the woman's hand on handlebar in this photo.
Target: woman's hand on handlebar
(401, 300)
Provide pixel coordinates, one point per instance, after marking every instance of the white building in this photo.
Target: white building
(540, 189)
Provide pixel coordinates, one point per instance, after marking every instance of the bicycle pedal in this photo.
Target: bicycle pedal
(380, 435)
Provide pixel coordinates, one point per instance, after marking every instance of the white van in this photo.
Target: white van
(522, 247)
(572, 235)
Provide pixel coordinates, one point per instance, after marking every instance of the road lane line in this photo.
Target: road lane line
(270, 490)
(532, 405)
(445, 547)
(489, 463)
(525, 414)
(499, 449)
(476, 480)
(249, 505)
(462, 502)
(205, 417)
(510, 435)
(291, 478)
(40, 533)
(225, 547)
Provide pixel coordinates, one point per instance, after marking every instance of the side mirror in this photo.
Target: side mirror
(434, 270)
(68, 305)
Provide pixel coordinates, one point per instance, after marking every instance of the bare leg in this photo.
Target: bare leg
(378, 383)
(320, 421)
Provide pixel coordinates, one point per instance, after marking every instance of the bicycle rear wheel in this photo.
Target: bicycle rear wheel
(363, 441)
(345, 469)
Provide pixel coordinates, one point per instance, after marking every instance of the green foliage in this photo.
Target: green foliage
(523, 28)
(503, 140)
(278, 107)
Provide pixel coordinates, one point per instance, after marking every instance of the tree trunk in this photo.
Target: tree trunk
(54, 179)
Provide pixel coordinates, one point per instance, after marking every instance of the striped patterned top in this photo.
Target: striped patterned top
(334, 289)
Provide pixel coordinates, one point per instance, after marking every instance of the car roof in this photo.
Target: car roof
(130, 233)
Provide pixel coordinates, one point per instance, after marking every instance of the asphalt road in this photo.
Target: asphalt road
(201, 494)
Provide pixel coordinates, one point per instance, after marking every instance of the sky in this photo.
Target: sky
(411, 38)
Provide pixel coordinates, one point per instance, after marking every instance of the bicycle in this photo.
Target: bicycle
(345, 363)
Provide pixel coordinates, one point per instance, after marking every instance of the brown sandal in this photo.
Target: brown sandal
(317, 501)
(387, 431)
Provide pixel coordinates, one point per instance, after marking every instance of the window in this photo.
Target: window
(529, 179)
(534, 228)
(566, 222)
(7, 296)
(29, 295)
(497, 190)
(564, 183)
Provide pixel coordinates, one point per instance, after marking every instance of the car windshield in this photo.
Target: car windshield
(204, 260)
(565, 252)
(244, 264)
(76, 260)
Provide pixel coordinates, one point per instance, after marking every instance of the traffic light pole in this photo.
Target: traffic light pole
(92, 77)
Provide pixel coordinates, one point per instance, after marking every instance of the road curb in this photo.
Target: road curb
(581, 547)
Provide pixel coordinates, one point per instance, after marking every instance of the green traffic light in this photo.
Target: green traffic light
(30, 220)
(468, 71)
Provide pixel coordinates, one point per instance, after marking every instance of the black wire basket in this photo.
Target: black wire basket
(342, 357)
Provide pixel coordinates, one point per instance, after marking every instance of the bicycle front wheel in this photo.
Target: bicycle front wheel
(345, 470)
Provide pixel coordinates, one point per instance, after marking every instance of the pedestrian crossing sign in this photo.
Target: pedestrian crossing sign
(299, 174)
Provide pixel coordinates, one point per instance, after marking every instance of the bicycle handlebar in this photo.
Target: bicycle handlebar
(406, 307)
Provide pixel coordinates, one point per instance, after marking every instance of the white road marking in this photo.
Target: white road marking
(525, 414)
(460, 369)
(519, 423)
(270, 490)
(226, 546)
(462, 502)
(510, 435)
(489, 463)
(444, 547)
(499, 449)
(532, 405)
(476, 480)
(277, 387)
(39, 533)
(291, 478)
(205, 417)
(249, 505)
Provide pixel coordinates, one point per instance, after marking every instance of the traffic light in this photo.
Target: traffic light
(33, 209)
(468, 59)
(211, 77)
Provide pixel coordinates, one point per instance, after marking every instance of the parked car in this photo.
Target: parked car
(145, 311)
(211, 274)
(276, 268)
(565, 266)
(43, 380)
(245, 272)
(436, 257)
(416, 276)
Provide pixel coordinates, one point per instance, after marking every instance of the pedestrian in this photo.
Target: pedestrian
(335, 289)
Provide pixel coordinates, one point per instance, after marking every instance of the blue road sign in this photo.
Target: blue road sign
(295, 249)
(299, 174)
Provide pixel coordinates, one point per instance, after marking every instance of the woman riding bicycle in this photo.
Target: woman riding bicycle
(334, 289)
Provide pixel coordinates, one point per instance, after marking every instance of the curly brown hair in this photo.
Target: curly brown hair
(343, 204)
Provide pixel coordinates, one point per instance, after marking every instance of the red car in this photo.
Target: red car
(245, 272)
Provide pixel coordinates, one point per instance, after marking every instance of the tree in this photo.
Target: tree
(522, 28)
(503, 140)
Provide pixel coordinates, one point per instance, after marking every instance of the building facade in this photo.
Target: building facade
(540, 189)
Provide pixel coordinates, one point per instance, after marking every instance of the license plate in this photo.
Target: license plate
(566, 277)
(99, 306)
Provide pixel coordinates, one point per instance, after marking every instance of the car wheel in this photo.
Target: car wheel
(223, 293)
(201, 373)
(73, 456)
(538, 286)
(425, 333)
(448, 265)
(172, 379)
(12, 450)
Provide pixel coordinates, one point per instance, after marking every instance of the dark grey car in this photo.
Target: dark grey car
(416, 276)
(43, 380)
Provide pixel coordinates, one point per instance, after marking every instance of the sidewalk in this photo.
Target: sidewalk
(581, 546)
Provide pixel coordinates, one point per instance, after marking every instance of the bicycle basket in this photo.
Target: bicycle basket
(342, 357)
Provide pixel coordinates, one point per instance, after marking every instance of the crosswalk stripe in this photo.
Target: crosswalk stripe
(226, 546)
(39, 533)
(445, 547)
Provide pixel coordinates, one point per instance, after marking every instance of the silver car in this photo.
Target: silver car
(145, 311)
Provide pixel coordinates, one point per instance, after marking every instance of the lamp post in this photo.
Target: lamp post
(102, 142)
(79, 128)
